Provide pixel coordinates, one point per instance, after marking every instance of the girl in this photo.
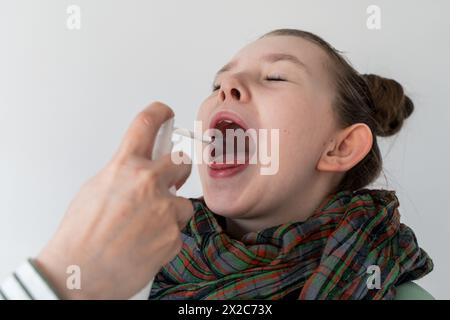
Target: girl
(313, 230)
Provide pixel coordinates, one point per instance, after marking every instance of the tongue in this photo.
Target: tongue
(240, 153)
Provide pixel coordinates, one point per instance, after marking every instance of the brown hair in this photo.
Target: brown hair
(361, 98)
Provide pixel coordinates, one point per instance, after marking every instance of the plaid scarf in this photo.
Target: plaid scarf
(325, 257)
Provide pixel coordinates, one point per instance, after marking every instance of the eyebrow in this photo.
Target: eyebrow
(271, 58)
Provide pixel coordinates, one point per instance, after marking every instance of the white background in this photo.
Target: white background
(66, 97)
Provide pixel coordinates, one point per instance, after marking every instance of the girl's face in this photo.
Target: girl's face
(277, 82)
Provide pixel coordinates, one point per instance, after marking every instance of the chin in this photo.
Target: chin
(222, 204)
(228, 196)
(229, 203)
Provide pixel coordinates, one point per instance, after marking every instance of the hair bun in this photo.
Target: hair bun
(392, 106)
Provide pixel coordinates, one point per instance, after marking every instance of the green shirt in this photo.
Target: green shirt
(412, 291)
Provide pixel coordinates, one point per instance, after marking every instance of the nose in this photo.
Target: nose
(233, 89)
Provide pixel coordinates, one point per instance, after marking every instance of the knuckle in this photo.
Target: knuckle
(152, 176)
(145, 119)
(145, 184)
(118, 160)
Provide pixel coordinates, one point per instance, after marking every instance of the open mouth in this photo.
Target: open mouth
(231, 145)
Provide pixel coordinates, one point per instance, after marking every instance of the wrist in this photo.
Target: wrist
(53, 270)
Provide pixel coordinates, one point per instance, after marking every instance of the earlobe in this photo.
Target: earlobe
(349, 147)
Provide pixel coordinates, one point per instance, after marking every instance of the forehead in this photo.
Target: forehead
(306, 51)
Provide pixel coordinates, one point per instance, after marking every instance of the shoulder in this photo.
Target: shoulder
(412, 291)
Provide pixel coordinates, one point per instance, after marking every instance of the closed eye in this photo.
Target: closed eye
(216, 87)
(275, 78)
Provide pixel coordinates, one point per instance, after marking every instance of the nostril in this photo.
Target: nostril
(235, 93)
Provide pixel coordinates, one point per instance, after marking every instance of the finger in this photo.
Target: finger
(184, 211)
(173, 169)
(140, 136)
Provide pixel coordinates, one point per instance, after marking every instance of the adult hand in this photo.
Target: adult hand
(124, 224)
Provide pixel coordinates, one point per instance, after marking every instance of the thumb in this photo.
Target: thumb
(140, 136)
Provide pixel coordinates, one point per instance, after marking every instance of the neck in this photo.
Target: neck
(295, 209)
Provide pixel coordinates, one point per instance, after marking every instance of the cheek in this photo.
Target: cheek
(303, 129)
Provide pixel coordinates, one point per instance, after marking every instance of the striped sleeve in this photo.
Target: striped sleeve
(26, 283)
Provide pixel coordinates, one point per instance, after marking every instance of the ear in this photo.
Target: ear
(350, 146)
